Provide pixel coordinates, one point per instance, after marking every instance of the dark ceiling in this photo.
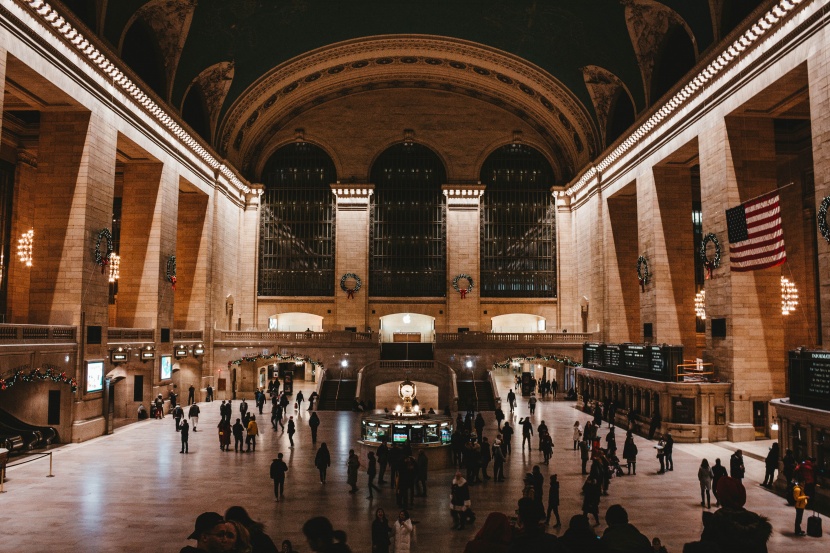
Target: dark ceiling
(560, 36)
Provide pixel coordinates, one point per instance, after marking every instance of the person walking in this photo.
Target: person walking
(191, 397)
(498, 463)
(352, 465)
(661, 455)
(314, 424)
(238, 429)
(224, 435)
(404, 532)
(459, 500)
(193, 415)
(547, 447)
(718, 472)
(383, 459)
(527, 432)
(184, 429)
(178, 414)
(507, 434)
(299, 399)
(771, 464)
(531, 403)
(159, 407)
(243, 408)
(499, 417)
(380, 533)
(322, 460)
(278, 470)
(584, 453)
(801, 499)
(371, 471)
(591, 494)
(630, 453)
(553, 501)
(292, 428)
(668, 450)
(705, 476)
(253, 431)
(421, 471)
(511, 400)
(577, 435)
(736, 465)
(312, 399)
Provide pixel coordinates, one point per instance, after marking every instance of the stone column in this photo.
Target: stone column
(249, 258)
(192, 256)
(18, 275)
(352, 251)
(463, 253)
(621, 251)
(672, 257)
(737, 163)
(72, 202)
(568, 315)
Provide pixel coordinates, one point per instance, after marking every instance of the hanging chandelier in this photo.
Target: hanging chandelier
(115, 266)
(700, 305)
(24, 247)
(789, 296)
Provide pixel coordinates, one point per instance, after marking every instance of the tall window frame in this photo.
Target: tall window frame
(408, 224)
(518, 225)
(297, 223)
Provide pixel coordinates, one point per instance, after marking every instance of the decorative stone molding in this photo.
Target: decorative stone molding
(603, 87)
(27, 158)
(409, 61)
(353, 197)
(215, 82)
(463, 196)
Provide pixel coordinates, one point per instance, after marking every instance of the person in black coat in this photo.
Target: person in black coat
(771, 464)
(238, 430)
(292, 428)
(185, 431)
(278, 470)
(322, 460)
(380, 533)
(668, 449)
(260, 541)
(314, 423)
(553, 501)
(736, 465)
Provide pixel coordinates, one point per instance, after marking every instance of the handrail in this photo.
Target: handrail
(23, 333)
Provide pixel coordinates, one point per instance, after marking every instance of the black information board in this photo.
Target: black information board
(636, 358)
(655, 362)
(592, 355)
(611, 357)
(810, 378)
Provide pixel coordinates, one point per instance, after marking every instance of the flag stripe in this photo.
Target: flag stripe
(761, 236)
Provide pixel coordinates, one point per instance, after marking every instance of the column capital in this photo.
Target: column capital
(463, 196)
(253, 197)
(352, 195)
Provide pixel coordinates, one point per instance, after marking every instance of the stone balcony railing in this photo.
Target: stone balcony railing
(12, 334)
(257, 336)
(130, 335)
(532, 338)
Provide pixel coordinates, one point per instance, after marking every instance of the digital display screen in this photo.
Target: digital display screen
(119, 357)
(399, 436)
(166, 367)
(94, 376)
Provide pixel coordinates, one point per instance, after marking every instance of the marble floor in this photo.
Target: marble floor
(134, 491)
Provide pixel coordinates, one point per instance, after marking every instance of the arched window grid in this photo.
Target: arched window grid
(518, 229)
(407, 224)
(297, 223)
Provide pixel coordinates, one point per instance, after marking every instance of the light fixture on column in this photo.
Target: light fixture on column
(789, 296)
(115, 267)
(700, 305)
(24, 247)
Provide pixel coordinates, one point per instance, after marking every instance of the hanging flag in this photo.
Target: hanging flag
(756, 239)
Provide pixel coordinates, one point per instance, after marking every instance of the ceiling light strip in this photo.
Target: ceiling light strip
(49, 15)
(715, 67)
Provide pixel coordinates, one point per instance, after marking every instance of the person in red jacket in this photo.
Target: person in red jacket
(805, 473)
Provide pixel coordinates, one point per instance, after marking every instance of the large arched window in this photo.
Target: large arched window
(518, 229)
(408, 230)
(296, 232)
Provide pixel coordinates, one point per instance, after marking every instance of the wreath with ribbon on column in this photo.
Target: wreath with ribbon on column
(714, 263)
(822, 218)
(350, 292)
(642, 272)
(103, 260)
(463, 291)
(171, 271)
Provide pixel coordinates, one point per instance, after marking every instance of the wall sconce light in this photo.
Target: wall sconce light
(115, 267)
(180, 352)
(24, 247)
(148, 353)
(119, 355)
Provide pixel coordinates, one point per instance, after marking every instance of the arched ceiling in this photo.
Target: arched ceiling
(544, 45)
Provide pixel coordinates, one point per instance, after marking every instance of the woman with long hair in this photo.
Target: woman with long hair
(380, 533)
(705, 477)
(260, 541)
(404, 532)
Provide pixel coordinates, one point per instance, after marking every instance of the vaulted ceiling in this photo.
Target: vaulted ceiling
(577, 71)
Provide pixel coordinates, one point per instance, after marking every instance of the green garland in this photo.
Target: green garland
(524, 359)
(278, 357)
(27, 374)
(822, 218)
(459, 277)
(714, 263)
(103, 260)
(642, 271)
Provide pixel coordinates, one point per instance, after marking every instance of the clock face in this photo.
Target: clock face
(406, 390)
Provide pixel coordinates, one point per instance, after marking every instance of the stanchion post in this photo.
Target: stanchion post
(50, 475)
(2, 478)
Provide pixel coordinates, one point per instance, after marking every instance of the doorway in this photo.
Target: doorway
(759, 419)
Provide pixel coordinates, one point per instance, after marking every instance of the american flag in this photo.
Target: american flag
(756, 239)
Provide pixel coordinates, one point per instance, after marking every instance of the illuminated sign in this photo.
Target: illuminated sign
(166, 367)
(94, 376)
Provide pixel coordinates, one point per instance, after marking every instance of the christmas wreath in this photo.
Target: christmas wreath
(642, 272)
(350, 291)
(714, 263)
(469, 288)
(171, 271)
(103, 260)
(822, 218)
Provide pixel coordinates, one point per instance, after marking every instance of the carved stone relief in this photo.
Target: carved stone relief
(215, 82)
(603, 86)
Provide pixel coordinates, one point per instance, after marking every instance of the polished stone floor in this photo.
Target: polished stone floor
(134, 491)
